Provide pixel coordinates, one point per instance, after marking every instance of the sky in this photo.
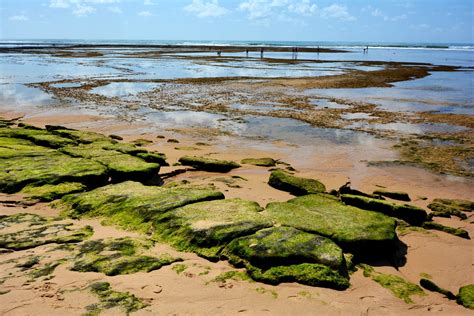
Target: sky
(429, 21)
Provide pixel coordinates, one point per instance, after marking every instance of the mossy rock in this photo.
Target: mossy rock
(154, 158)
(110, 299)
(409, 213)
(465, 296)
(132, 205)
(431, 286)
(401, 196)
(448, 208)
(83, 137)
(142, 142)
(399, 287)
(286, 246)
(121, 166)
(50, 192)
(25, 163)
(356, 231)
(208, 164)
(207, 226)
(450, 230)
(260, 162)
(39, 231)
(118, 256)
(284, 181)
(38, 136)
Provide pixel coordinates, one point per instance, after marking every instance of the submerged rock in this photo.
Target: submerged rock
(284, 181)
(401, 196)
(409, 213)
(133, 205)
(356, 231)
(450, 230)
(206, 227)
(118, 256)
(465, 296)
(285, 254)
(261, 162)
(208, 164)
(50, 192)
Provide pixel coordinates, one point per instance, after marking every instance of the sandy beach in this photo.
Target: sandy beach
(231, 118)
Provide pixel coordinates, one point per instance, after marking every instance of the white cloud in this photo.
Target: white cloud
(375, 12)
(280, 9)
(148, 2)
(144, 13)
(305, 7)
(20, 17)
(83, 10)
(337, 11)
(206, 8)
(116, 10)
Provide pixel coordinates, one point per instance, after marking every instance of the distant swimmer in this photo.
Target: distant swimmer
(247, 52)
(261, 52)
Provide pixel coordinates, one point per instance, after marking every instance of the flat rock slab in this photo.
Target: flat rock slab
(208, 164)
(285, 181)
(355, 230)
(211, 224)
(134, 205)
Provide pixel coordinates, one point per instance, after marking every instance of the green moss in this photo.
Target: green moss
(425, 275)
(50, 192)
(263, 290)
(431, 286)
(450, 230)
(399, 287)
(448, 208)
(37, 136)
(132, 205)
(154, 158)
(142, 142)
(83, 137)
(25, 163)
(29, 263)
(45, 270)
(286, 245)
(187, 148)
(208, 164)
(355, 230)
(117, 257)
(261, 162)
(465, 296)
(409, 213)
(206, 226)
(110, 298)
(40, 233)
(401, 196)
(284, 181)
(179, 268)
(232, 275)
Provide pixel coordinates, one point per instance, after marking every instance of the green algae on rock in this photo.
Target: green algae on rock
(25, 231)
(465, 296)
(431, 286)
(118, 256)
(284, 181)
(450, 230)
(50, 192)
(158, 158)
(355, 230)
(260, 162)
(285, 254)
(206, 227)
(399, 287)
(132, 205)
(24, 163)
(121, 166)
(208, 164)
(447, 207)
(110, 299)
(284, 246)
(401, 196)
(409, 213)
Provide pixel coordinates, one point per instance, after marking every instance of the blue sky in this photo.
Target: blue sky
(312, 20)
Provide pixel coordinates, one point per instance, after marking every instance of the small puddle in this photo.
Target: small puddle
(407, 128)
(325, 103)
(357, 116)
(124, 89)
(67, 85)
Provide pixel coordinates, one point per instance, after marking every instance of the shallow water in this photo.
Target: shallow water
(408, 128)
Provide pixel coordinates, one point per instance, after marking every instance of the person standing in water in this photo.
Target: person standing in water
(261, 52)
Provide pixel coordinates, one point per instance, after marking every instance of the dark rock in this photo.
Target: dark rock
(284, 181)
